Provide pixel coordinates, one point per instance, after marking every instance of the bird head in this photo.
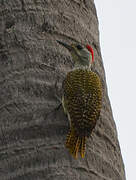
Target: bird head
(82, 56)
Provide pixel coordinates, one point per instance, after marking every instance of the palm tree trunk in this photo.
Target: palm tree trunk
(32, 68)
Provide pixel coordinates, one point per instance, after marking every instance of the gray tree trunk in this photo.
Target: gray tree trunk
(32, 68)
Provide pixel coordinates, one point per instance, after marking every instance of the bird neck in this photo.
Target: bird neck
(81, 66)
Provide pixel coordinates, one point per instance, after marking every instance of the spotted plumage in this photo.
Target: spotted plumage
(82, 103)
(82, 98)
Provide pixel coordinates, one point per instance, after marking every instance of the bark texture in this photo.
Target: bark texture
(32, 68)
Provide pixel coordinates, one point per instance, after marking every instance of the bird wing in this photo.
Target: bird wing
(82, 96)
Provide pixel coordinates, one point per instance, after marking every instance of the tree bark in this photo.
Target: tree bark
(32, 69)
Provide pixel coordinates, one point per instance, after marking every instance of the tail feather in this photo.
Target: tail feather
(82, 147)
(75, 144)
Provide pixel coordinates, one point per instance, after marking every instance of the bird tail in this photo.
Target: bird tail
(75, 144)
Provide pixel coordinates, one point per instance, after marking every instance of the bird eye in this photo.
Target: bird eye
(79, 47)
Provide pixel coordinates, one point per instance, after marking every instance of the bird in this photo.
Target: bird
(82, 98)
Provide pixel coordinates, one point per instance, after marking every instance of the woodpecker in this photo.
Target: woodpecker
(82, 98)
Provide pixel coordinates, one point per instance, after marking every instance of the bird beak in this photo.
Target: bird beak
(65, 45)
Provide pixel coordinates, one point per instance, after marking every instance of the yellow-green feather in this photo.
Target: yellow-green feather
(82, 102)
